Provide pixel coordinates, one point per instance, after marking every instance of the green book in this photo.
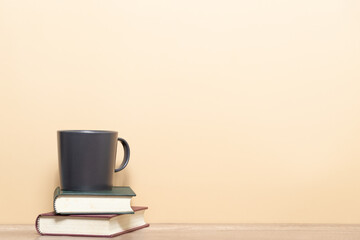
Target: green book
(115, 201)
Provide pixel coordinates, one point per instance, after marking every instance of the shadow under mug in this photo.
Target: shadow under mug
(87, 159)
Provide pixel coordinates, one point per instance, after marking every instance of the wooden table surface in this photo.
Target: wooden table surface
(208, 232)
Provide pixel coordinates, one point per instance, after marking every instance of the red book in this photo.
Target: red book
(107, 225)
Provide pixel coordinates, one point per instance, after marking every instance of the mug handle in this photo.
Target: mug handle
(126, 155)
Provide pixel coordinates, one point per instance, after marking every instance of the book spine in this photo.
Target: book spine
(37, 227)
(56, 195)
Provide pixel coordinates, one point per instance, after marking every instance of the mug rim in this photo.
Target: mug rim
(86, 131)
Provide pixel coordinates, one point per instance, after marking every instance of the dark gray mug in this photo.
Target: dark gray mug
(87, 159)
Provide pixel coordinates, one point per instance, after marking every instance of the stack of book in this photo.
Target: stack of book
(92, 213)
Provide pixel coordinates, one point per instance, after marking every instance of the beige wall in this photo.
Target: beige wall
(235, 111)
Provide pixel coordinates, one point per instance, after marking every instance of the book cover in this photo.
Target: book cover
(115, 191)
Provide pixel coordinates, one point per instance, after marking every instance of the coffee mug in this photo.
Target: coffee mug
(87, 159)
